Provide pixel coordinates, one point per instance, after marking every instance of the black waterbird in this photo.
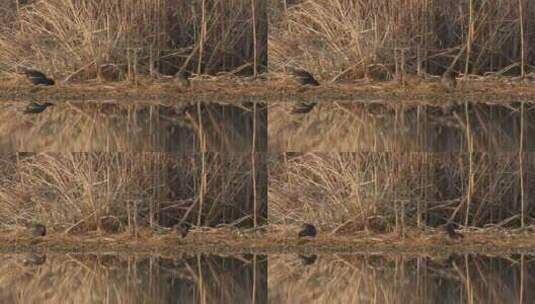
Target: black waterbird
(452, 233)
(304, 78)
(183, 229)
(308, 259)
(307, 230)
(35, 108)
(303, 107)
(39, 230)
(38, 78)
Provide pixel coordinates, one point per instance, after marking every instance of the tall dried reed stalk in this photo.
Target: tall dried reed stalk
(86, 39)
(114, 191)
(353, 39)
(347, 192)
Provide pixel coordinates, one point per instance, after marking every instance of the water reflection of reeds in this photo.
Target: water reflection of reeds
(134, 279)
(115, 127)
(399, 279)
(403, 127)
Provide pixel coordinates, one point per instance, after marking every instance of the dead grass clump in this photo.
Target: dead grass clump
(348, 192)
(78, 192)
(83, 39)
(355, 39)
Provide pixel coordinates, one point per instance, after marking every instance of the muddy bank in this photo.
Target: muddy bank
(236, 242)
(428, 92)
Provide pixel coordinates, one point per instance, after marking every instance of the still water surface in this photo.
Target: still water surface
(135, 127)
(401, 279)
(289, 278)
(53, 278)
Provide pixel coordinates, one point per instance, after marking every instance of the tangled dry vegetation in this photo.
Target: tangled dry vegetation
(114, 192)
(113, 40)
(344, 193)
(350, 40)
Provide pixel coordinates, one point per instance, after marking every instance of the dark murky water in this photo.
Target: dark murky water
(54, 278)
(389, 127)
(135, 127)
(401, 279)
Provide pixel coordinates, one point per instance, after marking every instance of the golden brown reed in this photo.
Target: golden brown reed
(344, 193)
(86, 39)
(338, 39)
(111, 192)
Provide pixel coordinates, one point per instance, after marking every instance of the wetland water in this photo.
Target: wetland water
(277, 278)
(65, 188)
(73, 278)
(401, 279)
(144, 130)
(389, 127)
(135, 127)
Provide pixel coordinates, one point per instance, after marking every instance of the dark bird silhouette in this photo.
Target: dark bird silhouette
(183, 229)
(308, 259)
(39, 230)
(304, 78)
(448, 80)
(303, 107)
(34, 260)
(38, 78)
(307, 230)
(182, 78)
(452, 233)
(35, 108)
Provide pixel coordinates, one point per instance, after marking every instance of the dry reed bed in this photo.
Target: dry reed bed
(404, 127)
(339, 39)
(123, 39)
(131, 127)
(113, 192)
(379, 279)
(343, 193)
(133, 279)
